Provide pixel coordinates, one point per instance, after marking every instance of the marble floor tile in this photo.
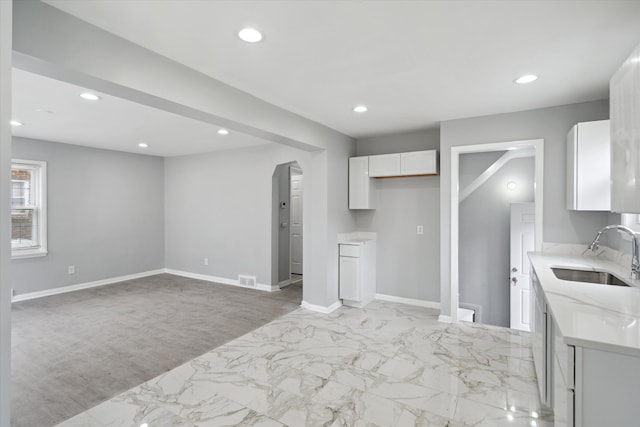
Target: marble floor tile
(385, 365)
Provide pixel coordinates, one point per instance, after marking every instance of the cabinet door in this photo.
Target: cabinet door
(589, 167)
(362, 193)
(572, 151)
(418, 163)
(625, 136)
(349, 283)
(384, 165)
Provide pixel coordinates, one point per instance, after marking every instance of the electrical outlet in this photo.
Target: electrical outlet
(71, 269)
(420, 229)
(205, 261)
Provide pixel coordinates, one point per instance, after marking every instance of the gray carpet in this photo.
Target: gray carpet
(75, 350)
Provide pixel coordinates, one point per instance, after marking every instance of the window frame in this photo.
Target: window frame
(40, 202)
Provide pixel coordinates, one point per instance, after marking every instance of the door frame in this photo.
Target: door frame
(538, 147)
(295, 169)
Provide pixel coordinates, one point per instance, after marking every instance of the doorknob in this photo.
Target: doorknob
(514, 270)
(515, 281)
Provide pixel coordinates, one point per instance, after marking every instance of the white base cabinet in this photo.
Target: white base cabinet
(357, 273)
(588, 387)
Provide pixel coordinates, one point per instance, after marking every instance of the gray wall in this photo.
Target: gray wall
(5, 218)
(105, 215)
(551, 124)
(407, 264)
(53, 43)
(219, 206)
(485, 233)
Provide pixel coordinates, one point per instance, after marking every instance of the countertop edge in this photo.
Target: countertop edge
(563, 299)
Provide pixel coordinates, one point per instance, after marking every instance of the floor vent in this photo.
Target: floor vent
(247, 280)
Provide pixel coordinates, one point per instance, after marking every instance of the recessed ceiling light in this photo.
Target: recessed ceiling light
(143, 145)
(526, 79)
(223, 132)
(89, 96)
(16, 123)
(250, 35)
(511, 185)
(360, 109)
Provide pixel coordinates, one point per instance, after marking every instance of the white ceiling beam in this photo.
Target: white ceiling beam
(491, 170)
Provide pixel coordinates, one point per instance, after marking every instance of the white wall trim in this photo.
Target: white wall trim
(321, 309)
(79, 286)
(445, 319)
(111, 280)
(538, 147)
(221, 280)
(409, 301)
(267, 288)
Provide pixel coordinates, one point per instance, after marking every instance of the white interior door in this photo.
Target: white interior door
(522, 241)
(296, 221)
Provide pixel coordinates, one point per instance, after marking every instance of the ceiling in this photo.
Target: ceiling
(413, 63)
(53, 110)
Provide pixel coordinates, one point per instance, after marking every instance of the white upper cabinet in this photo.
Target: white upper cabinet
(589, 167)
(403, 164)
(418, 163)
(625, 136)
(362, 194)
(362, 188)
(384, 165)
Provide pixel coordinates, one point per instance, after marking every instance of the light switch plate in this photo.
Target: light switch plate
(420, 229)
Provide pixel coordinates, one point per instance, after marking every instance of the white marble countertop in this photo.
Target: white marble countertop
(591, 315)
(356, 238)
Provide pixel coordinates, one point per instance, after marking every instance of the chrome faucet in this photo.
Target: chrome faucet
(635, 264)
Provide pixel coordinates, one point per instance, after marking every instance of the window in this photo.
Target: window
(28, 208)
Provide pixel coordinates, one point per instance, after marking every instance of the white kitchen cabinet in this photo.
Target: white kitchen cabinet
(585, 386)
(419, 163)
(384, 165)
(625, 136)
(357, 272)
(362, 189)
(563, 371)
(607, 386)
(413, 163)
(589, 167)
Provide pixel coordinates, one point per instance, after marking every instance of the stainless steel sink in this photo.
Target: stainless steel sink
(588, 276)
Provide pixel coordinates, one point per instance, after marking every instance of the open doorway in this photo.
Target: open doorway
(496, 196)
(287, 226)
(295, 232)
(479, 172)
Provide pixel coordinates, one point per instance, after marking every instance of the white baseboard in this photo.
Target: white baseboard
(71, 288)
(321, 309)
(445, 319)
(221, 280)
(284, 283)
(409, 301)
